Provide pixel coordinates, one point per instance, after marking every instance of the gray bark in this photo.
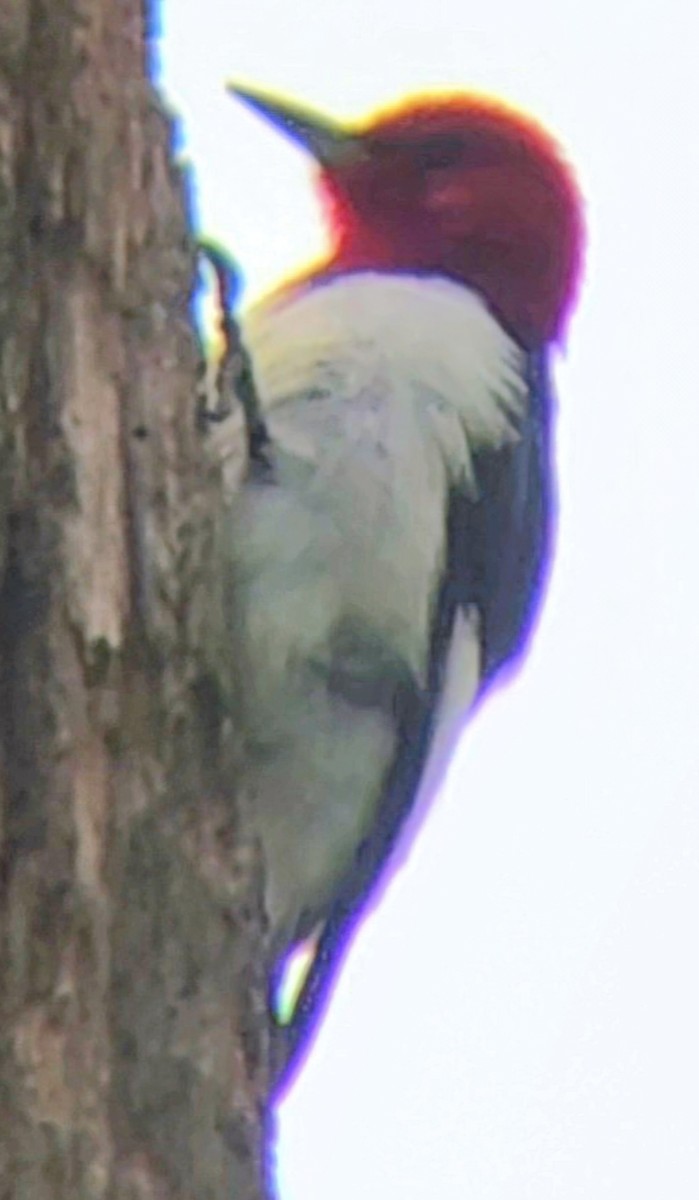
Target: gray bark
(132, 1022)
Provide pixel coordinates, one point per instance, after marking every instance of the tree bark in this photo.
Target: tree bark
(132, 1016)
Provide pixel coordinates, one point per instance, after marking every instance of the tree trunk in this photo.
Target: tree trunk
(132, 1019)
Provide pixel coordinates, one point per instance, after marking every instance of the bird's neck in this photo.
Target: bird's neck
(525, 303)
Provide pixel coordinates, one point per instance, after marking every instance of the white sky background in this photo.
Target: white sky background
(520, 1017)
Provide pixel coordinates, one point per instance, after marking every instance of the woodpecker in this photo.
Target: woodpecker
(389, 554)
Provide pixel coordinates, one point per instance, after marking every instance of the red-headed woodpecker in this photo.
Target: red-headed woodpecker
(390, 554)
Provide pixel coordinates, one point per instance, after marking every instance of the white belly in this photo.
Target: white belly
(337, 562)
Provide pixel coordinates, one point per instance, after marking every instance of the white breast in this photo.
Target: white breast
(378, 389)
(425, 333)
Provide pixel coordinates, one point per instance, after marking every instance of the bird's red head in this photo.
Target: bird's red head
(460, 185)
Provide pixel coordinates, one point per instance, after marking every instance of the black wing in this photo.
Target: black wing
(498, 547)
(501, 542)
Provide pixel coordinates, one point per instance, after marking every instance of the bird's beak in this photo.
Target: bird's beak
(330, 144)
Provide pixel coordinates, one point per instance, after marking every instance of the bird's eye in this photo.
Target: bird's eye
(440, 153)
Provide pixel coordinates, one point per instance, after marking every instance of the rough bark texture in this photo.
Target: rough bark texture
(132, 1047)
